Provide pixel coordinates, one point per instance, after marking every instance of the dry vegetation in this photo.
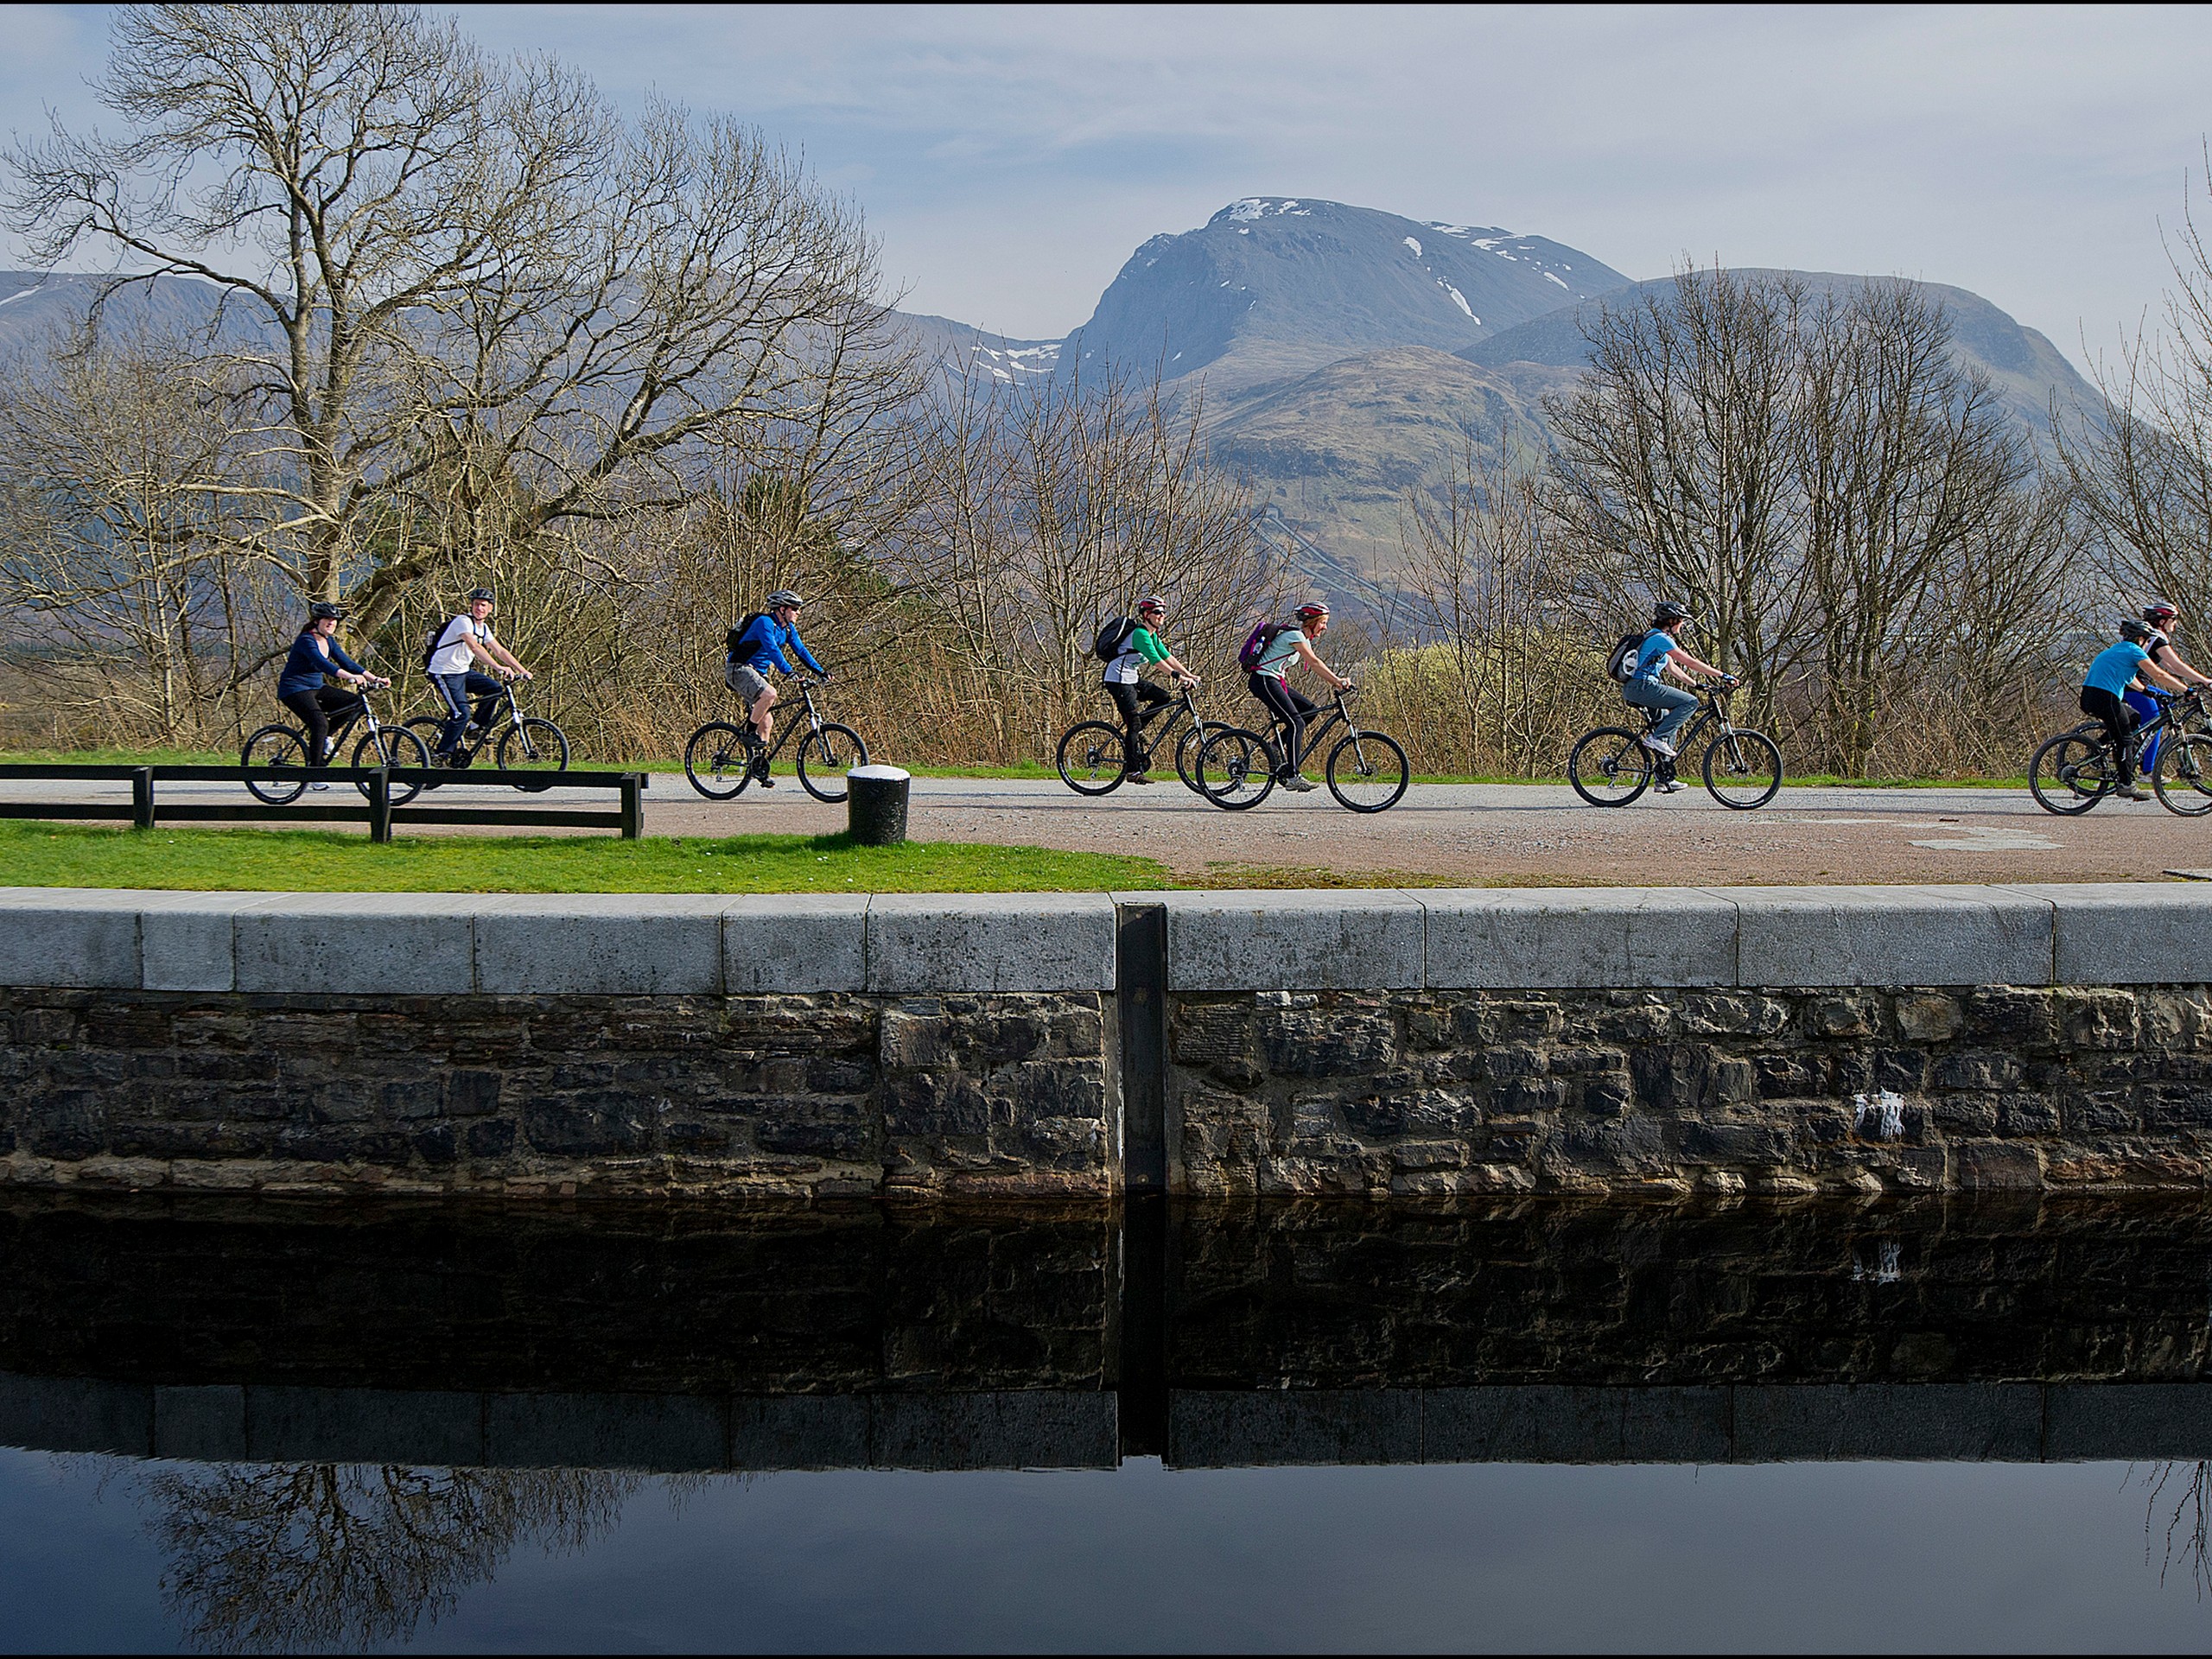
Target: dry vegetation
(480, 325)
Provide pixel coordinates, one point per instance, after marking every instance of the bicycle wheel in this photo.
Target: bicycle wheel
(1368, 773)
(391, 746)
(1090, 757)
(1610, 766)
(825, 757)
(1236, 768)
(1186, 757)
(2070, 774)
(2183, 778)
(536, 748)
(276, 745)
(1742, 769)
(717, 761)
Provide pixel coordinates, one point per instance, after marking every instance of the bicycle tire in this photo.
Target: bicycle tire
(534, 747)
(276, 745)
(1767, 777)
(825, 757)
(1378, 763)
(1186, 757)
(1245, 763)
(1088, 751)
(2190, 793)
(2070, 774)
(1610, 749)
(713, 749)
(391, 746)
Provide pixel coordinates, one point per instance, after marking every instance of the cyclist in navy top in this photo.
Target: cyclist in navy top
(315, 656)
(754, 651)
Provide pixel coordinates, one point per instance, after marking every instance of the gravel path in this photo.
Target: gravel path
(1472, 833)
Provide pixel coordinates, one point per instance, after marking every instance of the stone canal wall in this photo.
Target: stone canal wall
(1656, 1042)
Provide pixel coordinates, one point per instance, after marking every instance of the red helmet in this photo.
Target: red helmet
(1306, 613)
(2159, 611)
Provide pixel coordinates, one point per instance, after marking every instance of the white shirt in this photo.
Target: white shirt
(452, 655)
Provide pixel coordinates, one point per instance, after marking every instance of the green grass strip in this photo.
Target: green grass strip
(34, 854)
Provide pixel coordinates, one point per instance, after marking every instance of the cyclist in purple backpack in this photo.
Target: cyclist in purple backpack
(1273, 650)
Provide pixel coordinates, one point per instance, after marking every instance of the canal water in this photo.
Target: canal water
(244, 1425)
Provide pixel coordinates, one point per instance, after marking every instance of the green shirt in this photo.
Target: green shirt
(1141, 647)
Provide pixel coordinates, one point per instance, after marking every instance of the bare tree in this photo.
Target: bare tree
(1672, 471)
(2141, 461)
(466, 299)
(1487, 620)
(1904, 464)
(119, 475)
(1050, 507)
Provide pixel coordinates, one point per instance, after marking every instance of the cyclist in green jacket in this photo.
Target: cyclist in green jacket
(1131, 693)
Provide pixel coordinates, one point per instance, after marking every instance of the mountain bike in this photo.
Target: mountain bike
(519, 743)
(286, 746)
(1366, 771)
(1742, 768)
(2072, 772)
(1092, 751)
(722, 758)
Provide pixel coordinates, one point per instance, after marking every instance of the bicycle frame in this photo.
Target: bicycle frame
(1336, 715)
(806, 689)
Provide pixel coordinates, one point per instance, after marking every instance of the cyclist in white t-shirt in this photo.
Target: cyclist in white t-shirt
(464, 642)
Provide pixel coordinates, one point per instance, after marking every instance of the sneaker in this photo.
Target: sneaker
(1671, 784)
(1297, 781)
(760, 771)
(318, 785)
(1660, 745)
(2130, 793)
(1137, 778)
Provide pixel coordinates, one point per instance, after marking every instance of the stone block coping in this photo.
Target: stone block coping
(2116, 933)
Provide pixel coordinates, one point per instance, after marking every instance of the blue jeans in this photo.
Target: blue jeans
(1678, 703)
(457, 690)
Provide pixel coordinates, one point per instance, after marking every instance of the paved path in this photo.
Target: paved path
(1472, 832)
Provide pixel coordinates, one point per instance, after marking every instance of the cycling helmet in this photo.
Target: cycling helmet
(783, 597)
(2158, 612)
(1667, 611)
(1151, 602)
(2134, 628)
(1306, 612)
(324, 611)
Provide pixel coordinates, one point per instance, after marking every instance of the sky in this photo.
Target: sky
(1011, 159)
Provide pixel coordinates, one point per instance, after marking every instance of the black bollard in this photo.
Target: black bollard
(875, 805)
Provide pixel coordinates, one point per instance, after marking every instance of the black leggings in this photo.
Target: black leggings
(318, 710)
(1289, 707)
(1130, 697)
(2120, 722)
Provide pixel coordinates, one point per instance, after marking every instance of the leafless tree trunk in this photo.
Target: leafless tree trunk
(1672, 476)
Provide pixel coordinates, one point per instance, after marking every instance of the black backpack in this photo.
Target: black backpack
(430, 643)
(1113, 639)
(1620, 662)
(737, 634)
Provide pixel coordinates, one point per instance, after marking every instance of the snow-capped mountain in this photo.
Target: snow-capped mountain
(1277, 285)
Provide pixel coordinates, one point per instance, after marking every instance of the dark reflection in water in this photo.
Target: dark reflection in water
(365, 1427)
(275, 1557)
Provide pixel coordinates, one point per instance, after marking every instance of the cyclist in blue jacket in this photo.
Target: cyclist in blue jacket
(754, 650)
(314, 657)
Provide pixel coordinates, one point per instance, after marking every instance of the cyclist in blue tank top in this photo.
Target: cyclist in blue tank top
(1660, 652)
(2118, 668)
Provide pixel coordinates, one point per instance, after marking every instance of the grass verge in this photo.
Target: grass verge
(34, 855)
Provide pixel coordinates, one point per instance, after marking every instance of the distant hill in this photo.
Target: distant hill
(2025, 368)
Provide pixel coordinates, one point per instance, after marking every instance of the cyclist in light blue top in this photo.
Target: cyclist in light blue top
(1662, 651)
(2117, 669)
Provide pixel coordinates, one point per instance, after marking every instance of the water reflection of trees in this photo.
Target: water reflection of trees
(268, 1557)
(2188, 1487)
